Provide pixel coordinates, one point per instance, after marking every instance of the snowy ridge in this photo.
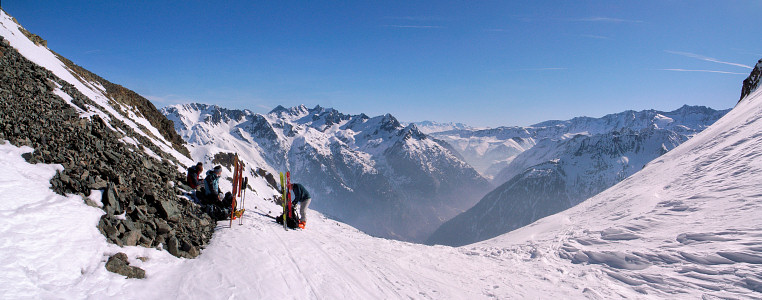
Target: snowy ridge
(371, 172)
(105, 107)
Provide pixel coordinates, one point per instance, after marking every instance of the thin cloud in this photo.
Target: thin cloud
(706, 58)
(415, 26)
(417, 18)
(606, 20)
(703, 71)
(540, 69)
(597, 37)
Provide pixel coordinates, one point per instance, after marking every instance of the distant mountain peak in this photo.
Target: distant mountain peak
(389, 123)
(412, 131)
(294, 111)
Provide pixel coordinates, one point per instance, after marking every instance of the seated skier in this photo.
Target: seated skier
(218, 207)
(193, 174)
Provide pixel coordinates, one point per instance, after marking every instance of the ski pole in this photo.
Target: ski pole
(243, 200)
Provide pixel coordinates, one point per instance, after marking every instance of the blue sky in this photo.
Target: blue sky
(485, 63)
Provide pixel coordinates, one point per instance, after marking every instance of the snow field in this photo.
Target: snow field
(685, 226)
(50, 246)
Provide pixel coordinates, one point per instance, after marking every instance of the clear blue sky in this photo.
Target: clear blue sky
(485, 63)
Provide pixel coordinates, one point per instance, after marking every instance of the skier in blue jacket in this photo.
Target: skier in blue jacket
(212, 185)
(218, 207)
(301, 197)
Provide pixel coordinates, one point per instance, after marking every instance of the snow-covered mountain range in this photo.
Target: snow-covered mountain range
(570, 162)
(374, 173)
(428, 127)
(491, 151)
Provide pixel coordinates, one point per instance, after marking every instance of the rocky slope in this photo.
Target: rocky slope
(751, 83)
(104, 137)
(373, 173)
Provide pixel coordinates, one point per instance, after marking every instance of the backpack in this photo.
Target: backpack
(217, 213)
(192, 177)
(292, 222)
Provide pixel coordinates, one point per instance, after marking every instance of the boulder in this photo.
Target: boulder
(98, 184)
(162, 227)
(110, 202)
(118, 263)
(131, 238)
(173, 247)
(168, 210)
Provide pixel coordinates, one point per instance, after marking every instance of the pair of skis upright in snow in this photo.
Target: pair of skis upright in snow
(285, 183)
(239, 187)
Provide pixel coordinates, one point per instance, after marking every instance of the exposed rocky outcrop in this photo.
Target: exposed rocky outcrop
(752, 82)
(140, 192)
(132, 100)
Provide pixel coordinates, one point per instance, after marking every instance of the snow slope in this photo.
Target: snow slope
(686, 226)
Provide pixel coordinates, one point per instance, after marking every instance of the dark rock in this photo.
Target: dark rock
(145, 241)
(168, 210)
(121, 256)
(110, 203)
(160, 239)
(162, 227)
(186, 246)
(27, 156)
(193, 252)
(91, 203)
(173, 247)
(131, 238)
(118, 263)
(129, 225)
(147, 164)
(137, 215)
(98, 184)
(751, 83)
